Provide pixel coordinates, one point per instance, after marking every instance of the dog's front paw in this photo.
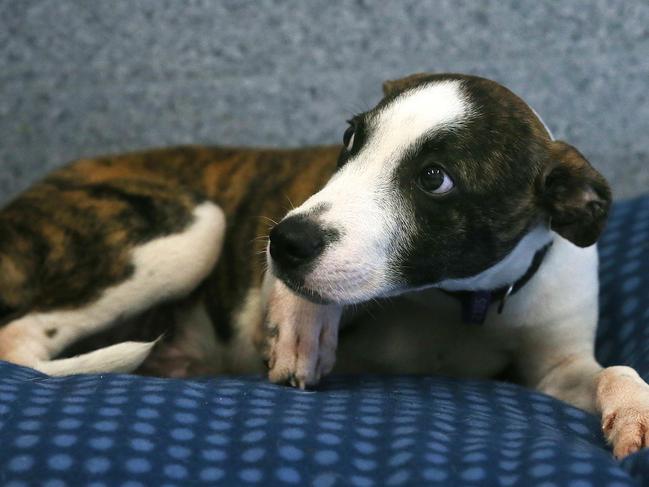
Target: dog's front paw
(624, 401)
(627, 429)
(302, 338)
(301, 353)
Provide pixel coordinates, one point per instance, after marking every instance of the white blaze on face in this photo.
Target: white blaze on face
(363, 201)
(410, 116)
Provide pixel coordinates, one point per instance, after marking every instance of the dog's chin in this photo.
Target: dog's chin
(318, 297)
(298, 287)
(310, 294)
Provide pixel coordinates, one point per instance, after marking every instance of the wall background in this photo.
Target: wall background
(80, 78)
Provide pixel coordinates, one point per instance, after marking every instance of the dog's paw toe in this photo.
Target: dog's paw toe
(326, 362)
(280, 374)
(281, 366)
(292, 362)
(283, 374)
(627, 430)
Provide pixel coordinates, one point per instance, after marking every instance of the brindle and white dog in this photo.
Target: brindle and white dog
(450, 197)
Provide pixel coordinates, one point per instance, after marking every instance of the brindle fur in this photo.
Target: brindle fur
(69, 237)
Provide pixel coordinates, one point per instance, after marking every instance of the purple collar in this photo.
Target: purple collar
(476, 304)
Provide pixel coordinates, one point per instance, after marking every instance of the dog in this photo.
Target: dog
(449, 234)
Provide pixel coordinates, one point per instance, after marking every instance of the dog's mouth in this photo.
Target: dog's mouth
(300, 289)
(354, 289)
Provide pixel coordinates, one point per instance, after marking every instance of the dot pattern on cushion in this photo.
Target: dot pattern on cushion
(358, 431)
(112, 430)
(623, 332)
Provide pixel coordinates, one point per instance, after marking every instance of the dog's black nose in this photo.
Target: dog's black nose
(296, 241)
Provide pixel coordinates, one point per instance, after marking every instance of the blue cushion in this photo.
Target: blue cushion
(623, 332)
(125, 430)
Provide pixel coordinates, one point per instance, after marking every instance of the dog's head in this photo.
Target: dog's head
(446, 177)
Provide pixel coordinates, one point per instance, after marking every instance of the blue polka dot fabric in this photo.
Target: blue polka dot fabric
(120, 430)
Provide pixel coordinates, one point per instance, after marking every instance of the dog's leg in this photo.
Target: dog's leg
(618, 393)
(302, 337)
(165, 268)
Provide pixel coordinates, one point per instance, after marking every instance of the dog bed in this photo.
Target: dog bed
(109, 430)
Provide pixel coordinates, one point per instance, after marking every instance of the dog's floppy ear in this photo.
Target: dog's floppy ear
(396, 86)
(574, 195)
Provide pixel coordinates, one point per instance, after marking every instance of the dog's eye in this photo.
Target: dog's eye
(348, 136)
(433, 179)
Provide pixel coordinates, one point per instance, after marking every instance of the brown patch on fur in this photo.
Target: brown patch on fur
(70, 236)
(12, 280)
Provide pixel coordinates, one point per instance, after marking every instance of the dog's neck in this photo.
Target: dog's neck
(476, 304)
(493, 286)
(509, 270)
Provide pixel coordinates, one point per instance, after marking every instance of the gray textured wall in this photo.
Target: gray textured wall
(82, 77)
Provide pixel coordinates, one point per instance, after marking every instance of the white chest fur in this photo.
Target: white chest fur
(423, 332)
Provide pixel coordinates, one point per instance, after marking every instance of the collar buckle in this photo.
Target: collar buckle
(503, 300)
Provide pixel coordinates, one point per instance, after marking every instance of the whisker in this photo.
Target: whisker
(289, 201)
(268, 219)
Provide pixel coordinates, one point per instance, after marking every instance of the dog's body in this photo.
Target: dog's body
(105, 241)
(450, 197)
